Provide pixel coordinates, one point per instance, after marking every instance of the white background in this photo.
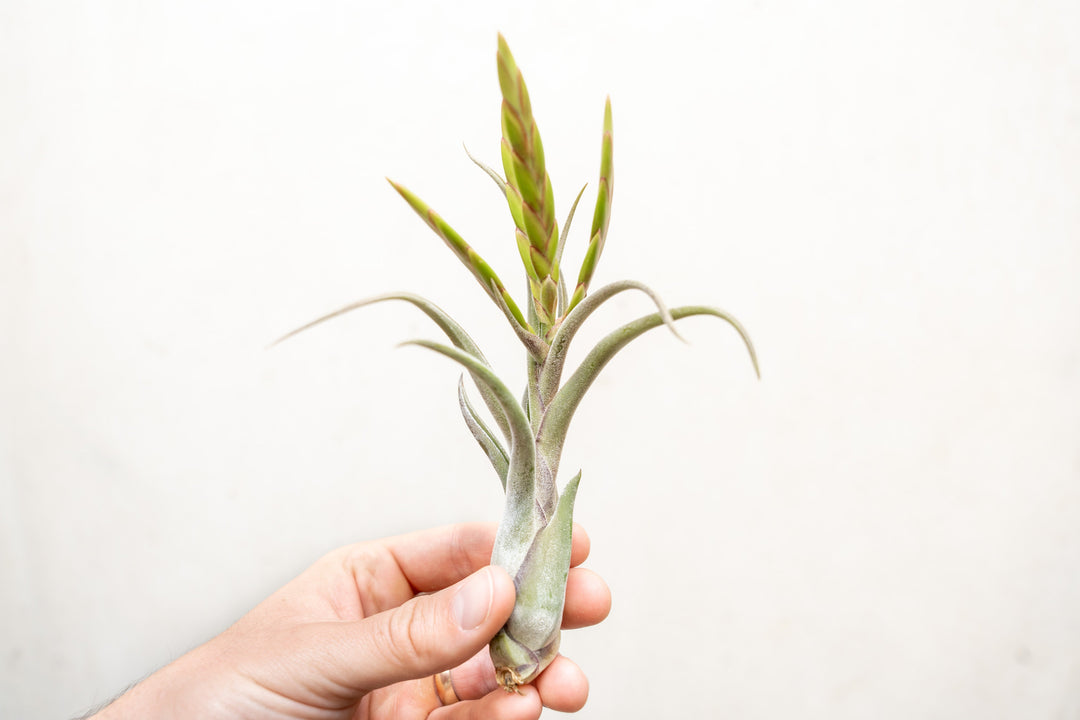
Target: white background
(887, 525)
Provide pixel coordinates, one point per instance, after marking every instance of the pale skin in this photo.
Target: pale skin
(359, 634)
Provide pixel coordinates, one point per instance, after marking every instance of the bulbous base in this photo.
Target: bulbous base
(516, 664)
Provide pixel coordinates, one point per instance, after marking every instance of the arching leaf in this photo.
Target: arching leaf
(519, 516)
(552, 374)
(447, 324)
(557, 417)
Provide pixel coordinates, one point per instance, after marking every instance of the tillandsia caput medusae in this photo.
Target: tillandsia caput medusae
(533, 540)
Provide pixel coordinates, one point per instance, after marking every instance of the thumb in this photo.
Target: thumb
(426, 635)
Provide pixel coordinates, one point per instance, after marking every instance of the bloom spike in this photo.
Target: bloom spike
(533, 201)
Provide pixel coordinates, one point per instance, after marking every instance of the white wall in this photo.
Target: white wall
(887, 525)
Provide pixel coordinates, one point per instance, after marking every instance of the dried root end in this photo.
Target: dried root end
(508, 680)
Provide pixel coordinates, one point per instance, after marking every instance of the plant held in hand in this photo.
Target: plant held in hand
(533, 541)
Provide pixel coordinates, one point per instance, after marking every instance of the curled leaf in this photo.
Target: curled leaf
(490, 444)
(447, 324)
(560, 344)
(557, 417)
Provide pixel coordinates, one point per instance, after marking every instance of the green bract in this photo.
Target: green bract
(533, 540)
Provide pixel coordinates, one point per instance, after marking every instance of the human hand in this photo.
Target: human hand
(360, 634)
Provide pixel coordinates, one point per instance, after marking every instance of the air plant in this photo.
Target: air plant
(533, 539)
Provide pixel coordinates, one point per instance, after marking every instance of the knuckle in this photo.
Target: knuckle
(407, 635)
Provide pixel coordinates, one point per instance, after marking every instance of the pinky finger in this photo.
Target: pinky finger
(563, 686)
(498, 703)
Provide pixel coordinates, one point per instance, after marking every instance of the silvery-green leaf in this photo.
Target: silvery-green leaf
(564, 297)
(519, 522)
(557, 417)
(549, 556)
(525, 401)
(552, 374)
(566, 226)
(490, 172)
(490, 444)
(530, 639)
(447, 324)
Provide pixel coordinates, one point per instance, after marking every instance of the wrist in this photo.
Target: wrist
(185, 688)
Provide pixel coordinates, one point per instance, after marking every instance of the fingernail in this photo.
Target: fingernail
(472, 603)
